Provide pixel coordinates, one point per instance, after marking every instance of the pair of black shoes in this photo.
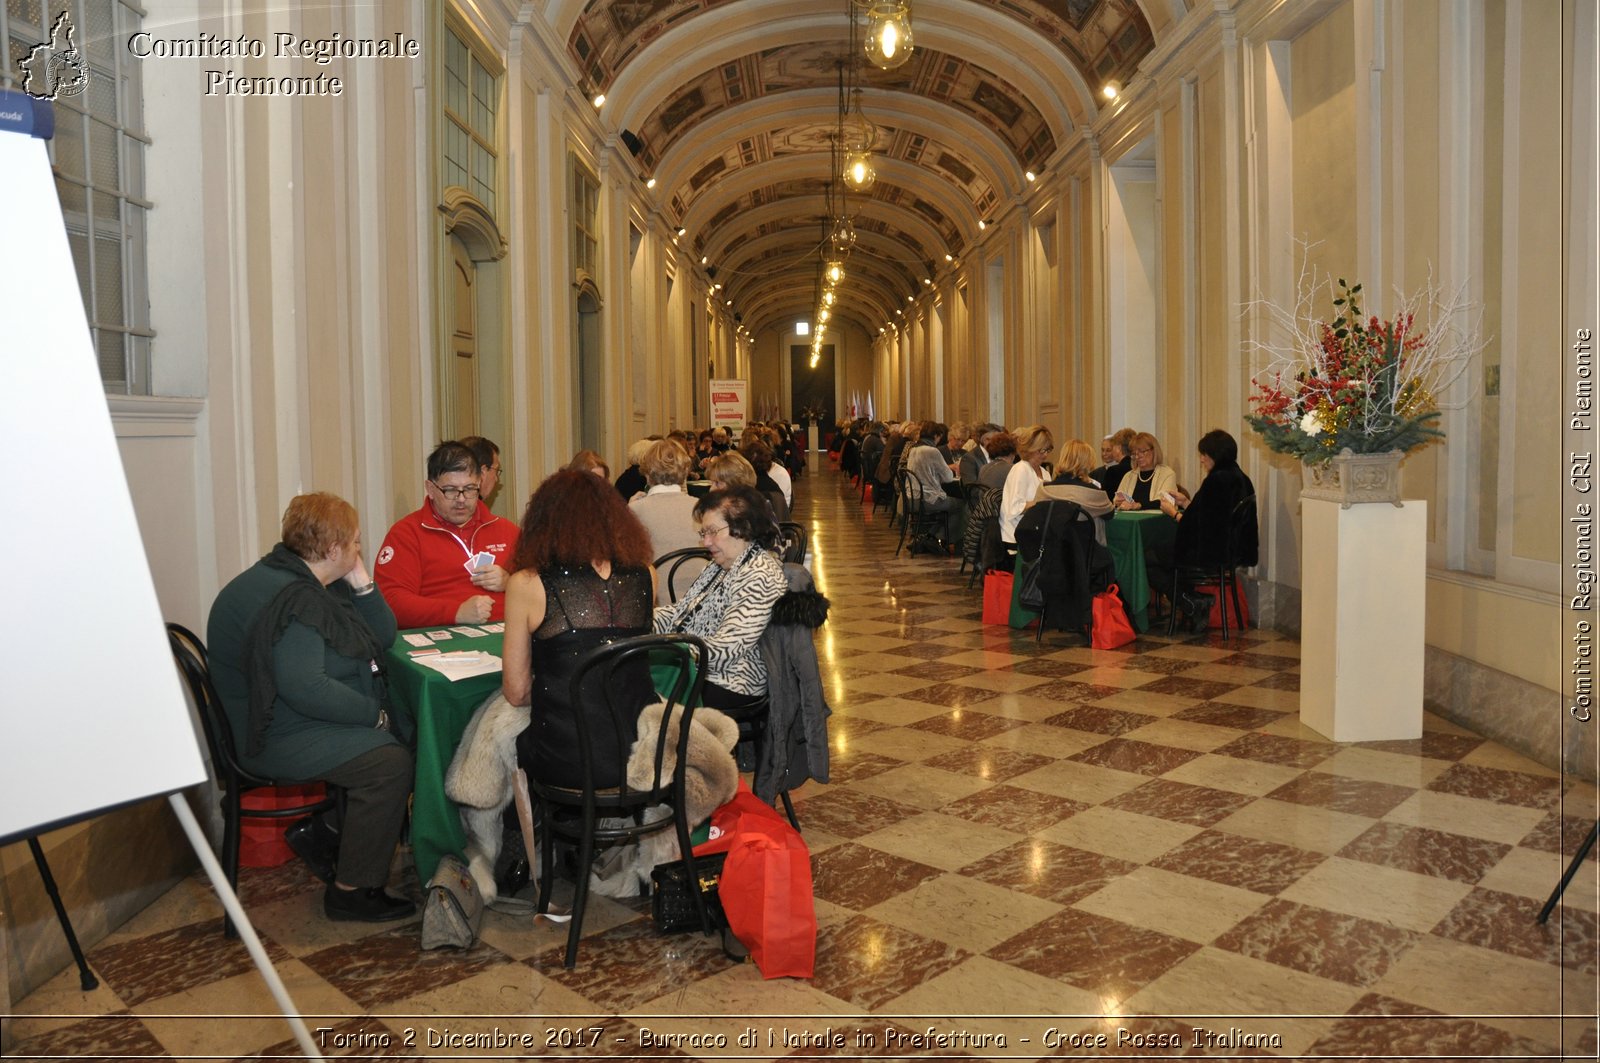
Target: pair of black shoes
(316, 844)
(370, 905)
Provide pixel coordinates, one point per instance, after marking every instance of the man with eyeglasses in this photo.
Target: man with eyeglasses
(446, 563)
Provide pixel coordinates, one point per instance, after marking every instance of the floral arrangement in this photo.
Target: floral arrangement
(1360, 382)
(812, 413)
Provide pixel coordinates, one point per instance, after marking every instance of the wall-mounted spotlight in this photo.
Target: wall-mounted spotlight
(1111, 89)
(1031, 176)
(599, 100)
(949, 258)
(928, 281)
(703, 259)
(982, 225)
(650, 183)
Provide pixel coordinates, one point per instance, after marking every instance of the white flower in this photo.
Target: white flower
(1311, 423)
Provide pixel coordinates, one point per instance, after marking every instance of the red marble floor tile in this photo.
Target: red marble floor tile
(853, 765)
(1271, 662)
(1050, 668)
(1014, 808)
(1178, 802)
(385, 967)
(115, 1036)
(1557, 833)
(1260, 866)
(190, 956)
(1508, 923)
(1493, 784)
(1184, 687)
(1357, 796)
(1426, 852)
(972, 726)
(1044, 869)
(1100, 720)
(1380, 1027)
(1067, 690)
(929, 651)
(951, 695)
(1331, 945)
(858, 876)
(1275, 749)
(850, 813)
(937, 671)
(1280, 681)
(1220, 714)
(1143, 758)
(631, 963)
(1436, 745)
(988, 762)
(869, 963)
(1101, 955)
(1167, 666)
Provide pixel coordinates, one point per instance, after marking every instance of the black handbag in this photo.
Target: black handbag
(1031, 595)
(671, 903)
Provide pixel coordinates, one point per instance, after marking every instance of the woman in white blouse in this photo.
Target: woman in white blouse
(1034, 445)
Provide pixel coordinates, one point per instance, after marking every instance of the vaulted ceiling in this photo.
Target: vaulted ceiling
(730, 105)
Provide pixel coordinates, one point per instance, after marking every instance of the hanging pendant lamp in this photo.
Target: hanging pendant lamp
(889, 42)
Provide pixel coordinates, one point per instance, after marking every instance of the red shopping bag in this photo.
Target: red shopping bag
(997, 598)
(1224, 601)
(1110, 627)
(766, 885)
(261, 841)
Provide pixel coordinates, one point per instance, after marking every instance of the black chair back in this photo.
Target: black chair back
(1243, 536)
(675, 560)
(598, 680)
(792, 542)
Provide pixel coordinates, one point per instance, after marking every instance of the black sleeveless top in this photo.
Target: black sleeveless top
(583, 611)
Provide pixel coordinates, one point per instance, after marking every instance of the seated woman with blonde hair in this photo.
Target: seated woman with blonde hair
(730, 469)
(1149, 479)
(589, 461)
(1034, 445)
(1073, 484)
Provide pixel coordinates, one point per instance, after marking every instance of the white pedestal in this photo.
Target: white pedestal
(1363, 598)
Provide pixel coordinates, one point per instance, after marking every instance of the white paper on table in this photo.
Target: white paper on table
(470, 632)
(457, 666)
(496, 628)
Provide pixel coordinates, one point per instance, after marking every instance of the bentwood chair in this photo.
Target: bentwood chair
(792, 542)
(233, 780)
(677, 560)
(1224, 575)
(606, 730)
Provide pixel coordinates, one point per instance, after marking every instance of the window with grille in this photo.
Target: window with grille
(471, 94)
(585, 220)
(98, 159)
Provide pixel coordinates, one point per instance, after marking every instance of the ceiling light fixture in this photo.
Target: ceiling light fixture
(982, 225)
(889, 42)
(1111, 89)
(859, 137)
(949, 258)
(1031, 176)
(682, 230)
(650, 183)
(599, 100)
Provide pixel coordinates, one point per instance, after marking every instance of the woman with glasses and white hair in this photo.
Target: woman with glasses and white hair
(1150, 479)
(731, 602)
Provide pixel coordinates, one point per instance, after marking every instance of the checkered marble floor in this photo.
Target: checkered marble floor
(1026, 851)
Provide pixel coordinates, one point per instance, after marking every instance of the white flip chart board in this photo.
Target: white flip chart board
(91, 712)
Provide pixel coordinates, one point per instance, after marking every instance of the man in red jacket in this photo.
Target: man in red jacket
(446, 563)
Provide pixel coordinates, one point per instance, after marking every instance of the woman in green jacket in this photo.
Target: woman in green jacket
(296, 650)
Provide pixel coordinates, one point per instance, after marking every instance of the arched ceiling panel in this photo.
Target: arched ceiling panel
(1100, 38)
(965, 86)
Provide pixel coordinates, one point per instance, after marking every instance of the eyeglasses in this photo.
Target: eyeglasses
(469, 492)
(711, 533)
(1143, 450)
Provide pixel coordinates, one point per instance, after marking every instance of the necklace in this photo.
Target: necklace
(1146, 477)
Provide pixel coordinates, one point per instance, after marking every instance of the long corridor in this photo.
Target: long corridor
(1128, 845)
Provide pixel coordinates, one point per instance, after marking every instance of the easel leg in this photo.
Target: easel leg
(86, 977)
(1572, 869)
(230, 902)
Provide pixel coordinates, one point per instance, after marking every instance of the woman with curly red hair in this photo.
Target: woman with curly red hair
(583, 578)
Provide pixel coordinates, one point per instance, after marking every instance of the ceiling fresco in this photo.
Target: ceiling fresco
(982, 95)
(1102, 38)
(815, 142)
(766, 229)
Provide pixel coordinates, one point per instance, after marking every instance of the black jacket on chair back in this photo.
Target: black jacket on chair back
(1203, 538)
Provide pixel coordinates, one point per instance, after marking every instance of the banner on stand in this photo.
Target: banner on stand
(728, 404)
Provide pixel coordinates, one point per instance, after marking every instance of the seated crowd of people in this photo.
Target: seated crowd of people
(972, 472)
(297, 642)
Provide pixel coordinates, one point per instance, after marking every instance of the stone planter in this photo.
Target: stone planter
(1349, 478)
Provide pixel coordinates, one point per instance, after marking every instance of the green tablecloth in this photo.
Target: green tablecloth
(441, 710)
(1127, 535)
